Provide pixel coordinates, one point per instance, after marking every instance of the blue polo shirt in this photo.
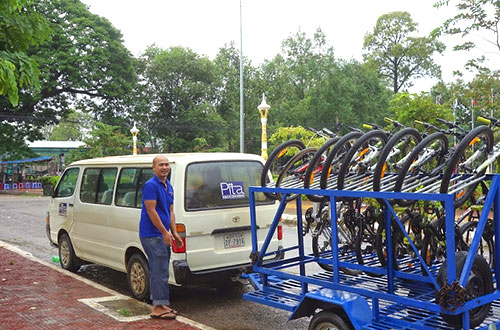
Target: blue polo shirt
(155, 190)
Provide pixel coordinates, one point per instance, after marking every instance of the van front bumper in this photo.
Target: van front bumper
(184, 275)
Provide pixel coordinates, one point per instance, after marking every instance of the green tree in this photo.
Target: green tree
(227, 93)
(290, 77)
(398, 54)
(408, 107)
(104, 140)
(72, 128)
(21, 26)
(177, 100)
(84, 66)
(307, 86)
(480, 15)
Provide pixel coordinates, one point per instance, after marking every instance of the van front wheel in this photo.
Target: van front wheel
(67, 256)
(138, 277)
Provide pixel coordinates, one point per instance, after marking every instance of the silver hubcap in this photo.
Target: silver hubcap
(326, 326)
(137, 278)
(64, 252)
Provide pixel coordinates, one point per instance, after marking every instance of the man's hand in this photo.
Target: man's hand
(178, 240)
(167, 238)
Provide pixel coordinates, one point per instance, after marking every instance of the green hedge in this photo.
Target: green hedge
(48, 184)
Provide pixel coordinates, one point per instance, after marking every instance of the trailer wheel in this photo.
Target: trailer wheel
(479, 283)
(326, 320)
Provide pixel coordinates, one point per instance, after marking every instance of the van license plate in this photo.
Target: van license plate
(234, 240)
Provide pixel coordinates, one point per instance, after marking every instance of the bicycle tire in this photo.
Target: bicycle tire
(397, 238)
(277, 153)
(335, 155)
(324, 230)
(313, 165)
(382, 166)
(428, 141)
(289, 177)
(360, 143)
(367, 233)
(431, 243)
(454, 163)
(487, 239)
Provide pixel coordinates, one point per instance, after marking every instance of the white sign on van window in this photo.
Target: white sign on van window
(232, 190)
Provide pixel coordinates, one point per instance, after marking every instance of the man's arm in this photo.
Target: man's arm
(155, 219)
(173, 228)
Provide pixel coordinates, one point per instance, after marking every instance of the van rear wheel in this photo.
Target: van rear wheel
(67, 256)
(138, 277)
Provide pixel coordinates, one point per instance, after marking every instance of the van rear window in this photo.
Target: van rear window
(211, 185)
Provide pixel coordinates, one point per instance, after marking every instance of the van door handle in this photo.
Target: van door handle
(70, 205)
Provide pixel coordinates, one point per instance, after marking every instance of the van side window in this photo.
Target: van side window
(126, 188)
(106, 186)
(67, 184)
(88, 190)
(130, 183)
(97, 185)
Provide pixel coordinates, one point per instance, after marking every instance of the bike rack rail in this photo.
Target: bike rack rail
(401, 298)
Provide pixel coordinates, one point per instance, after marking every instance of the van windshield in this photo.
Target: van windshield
(218, 184)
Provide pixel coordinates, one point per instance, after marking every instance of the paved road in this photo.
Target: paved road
(22, 219)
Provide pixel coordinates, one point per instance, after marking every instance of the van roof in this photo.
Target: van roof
(178, 158)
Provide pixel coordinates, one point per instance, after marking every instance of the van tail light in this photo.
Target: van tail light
(181, 230)
(280, 232)
(47, 218)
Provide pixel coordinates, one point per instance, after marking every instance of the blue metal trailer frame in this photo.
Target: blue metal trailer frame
(397, 299)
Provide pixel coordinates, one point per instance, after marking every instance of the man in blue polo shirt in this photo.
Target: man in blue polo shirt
(157, 231)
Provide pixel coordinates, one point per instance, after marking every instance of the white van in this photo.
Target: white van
(95, 210)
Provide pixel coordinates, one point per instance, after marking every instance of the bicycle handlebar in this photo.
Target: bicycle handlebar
(394, 122)
(490, 121)
(483, 120)
(366, 126)
(427, 125)
(446, 122)
(327, 131)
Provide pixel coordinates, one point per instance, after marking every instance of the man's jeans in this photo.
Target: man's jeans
(158, 259)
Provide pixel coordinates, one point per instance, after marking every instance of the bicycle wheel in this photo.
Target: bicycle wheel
(470, 153)
(292, 175)
(315, 167)
(334, 159)
(277, 161)
(434, 243)
(487, 245)
(366, 237)
(322, 241)
(398, 242)
(393, 155)
(424, 160)
(360, 161)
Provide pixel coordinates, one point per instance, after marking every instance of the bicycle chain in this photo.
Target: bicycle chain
(451, 296)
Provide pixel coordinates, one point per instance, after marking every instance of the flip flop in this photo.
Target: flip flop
(164, 316)
(170, 309)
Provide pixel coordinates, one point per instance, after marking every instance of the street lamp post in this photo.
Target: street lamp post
(264, 111)
(134, 132)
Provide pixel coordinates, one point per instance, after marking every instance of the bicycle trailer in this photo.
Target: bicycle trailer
(460, 291)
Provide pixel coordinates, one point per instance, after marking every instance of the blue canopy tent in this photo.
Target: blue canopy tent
(10, 170)
(28, 160)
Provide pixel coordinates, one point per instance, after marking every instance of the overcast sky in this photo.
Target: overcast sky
(206, 25)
